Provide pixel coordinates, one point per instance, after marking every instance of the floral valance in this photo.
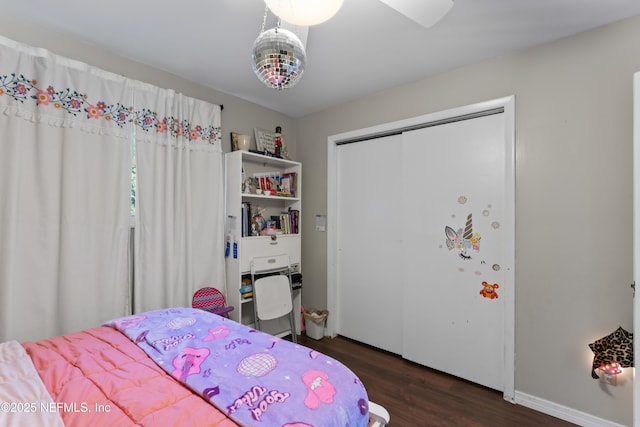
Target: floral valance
(39, 85)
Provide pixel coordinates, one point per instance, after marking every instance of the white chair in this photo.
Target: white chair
(272, 298)
(378, 415)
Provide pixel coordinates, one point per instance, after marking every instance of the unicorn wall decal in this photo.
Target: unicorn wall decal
(464, 240)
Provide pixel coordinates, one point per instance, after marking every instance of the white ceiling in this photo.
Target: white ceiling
(365, 48)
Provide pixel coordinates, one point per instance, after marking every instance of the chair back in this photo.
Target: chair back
(211, 300)
(272, 297)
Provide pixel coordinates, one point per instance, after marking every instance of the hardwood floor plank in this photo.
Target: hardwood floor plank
(419, 396)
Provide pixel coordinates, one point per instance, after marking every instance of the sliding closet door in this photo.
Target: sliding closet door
(454, 253)
(369, 280)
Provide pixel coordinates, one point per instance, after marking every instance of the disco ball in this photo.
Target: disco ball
(278, 58)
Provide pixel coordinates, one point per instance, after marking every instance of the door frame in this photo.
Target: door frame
(508, 105)
(636, 238)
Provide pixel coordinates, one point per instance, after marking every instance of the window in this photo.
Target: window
(132, 204)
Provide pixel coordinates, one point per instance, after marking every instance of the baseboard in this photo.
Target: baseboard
(562, 412)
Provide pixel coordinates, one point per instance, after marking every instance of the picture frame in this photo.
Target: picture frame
(291, 178)
(240, 141)
(265, 141)
(285, 184)
(234, 141)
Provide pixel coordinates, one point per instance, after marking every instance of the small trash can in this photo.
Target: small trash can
(314, 323)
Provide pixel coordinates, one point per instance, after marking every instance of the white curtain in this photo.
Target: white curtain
(179, 238)
(64, 194)
(65, 175)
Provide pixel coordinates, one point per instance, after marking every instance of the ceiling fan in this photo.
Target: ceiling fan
(312, 12)
(426, 13)
(279, 55)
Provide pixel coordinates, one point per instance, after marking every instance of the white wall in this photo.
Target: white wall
(573, 199)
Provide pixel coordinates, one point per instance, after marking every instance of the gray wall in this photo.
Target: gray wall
(573, 199)
(573, 189)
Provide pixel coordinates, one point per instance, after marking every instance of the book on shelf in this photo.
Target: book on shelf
(243, 220)
(246, 219)
(287, 222)
(246, 290)
(294, 218)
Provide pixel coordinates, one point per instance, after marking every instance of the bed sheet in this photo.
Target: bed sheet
(24, 399)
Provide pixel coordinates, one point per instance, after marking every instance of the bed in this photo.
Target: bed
(178, 366)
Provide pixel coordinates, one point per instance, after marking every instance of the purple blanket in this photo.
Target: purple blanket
(255, 378)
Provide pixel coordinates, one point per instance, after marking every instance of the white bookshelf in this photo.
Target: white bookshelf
(240, 165)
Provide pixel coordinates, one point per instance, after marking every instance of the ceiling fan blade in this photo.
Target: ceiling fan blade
(425, 12)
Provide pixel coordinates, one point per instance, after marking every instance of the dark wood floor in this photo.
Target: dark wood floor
(418, 396)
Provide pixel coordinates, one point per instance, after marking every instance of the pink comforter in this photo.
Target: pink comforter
(98, 377)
